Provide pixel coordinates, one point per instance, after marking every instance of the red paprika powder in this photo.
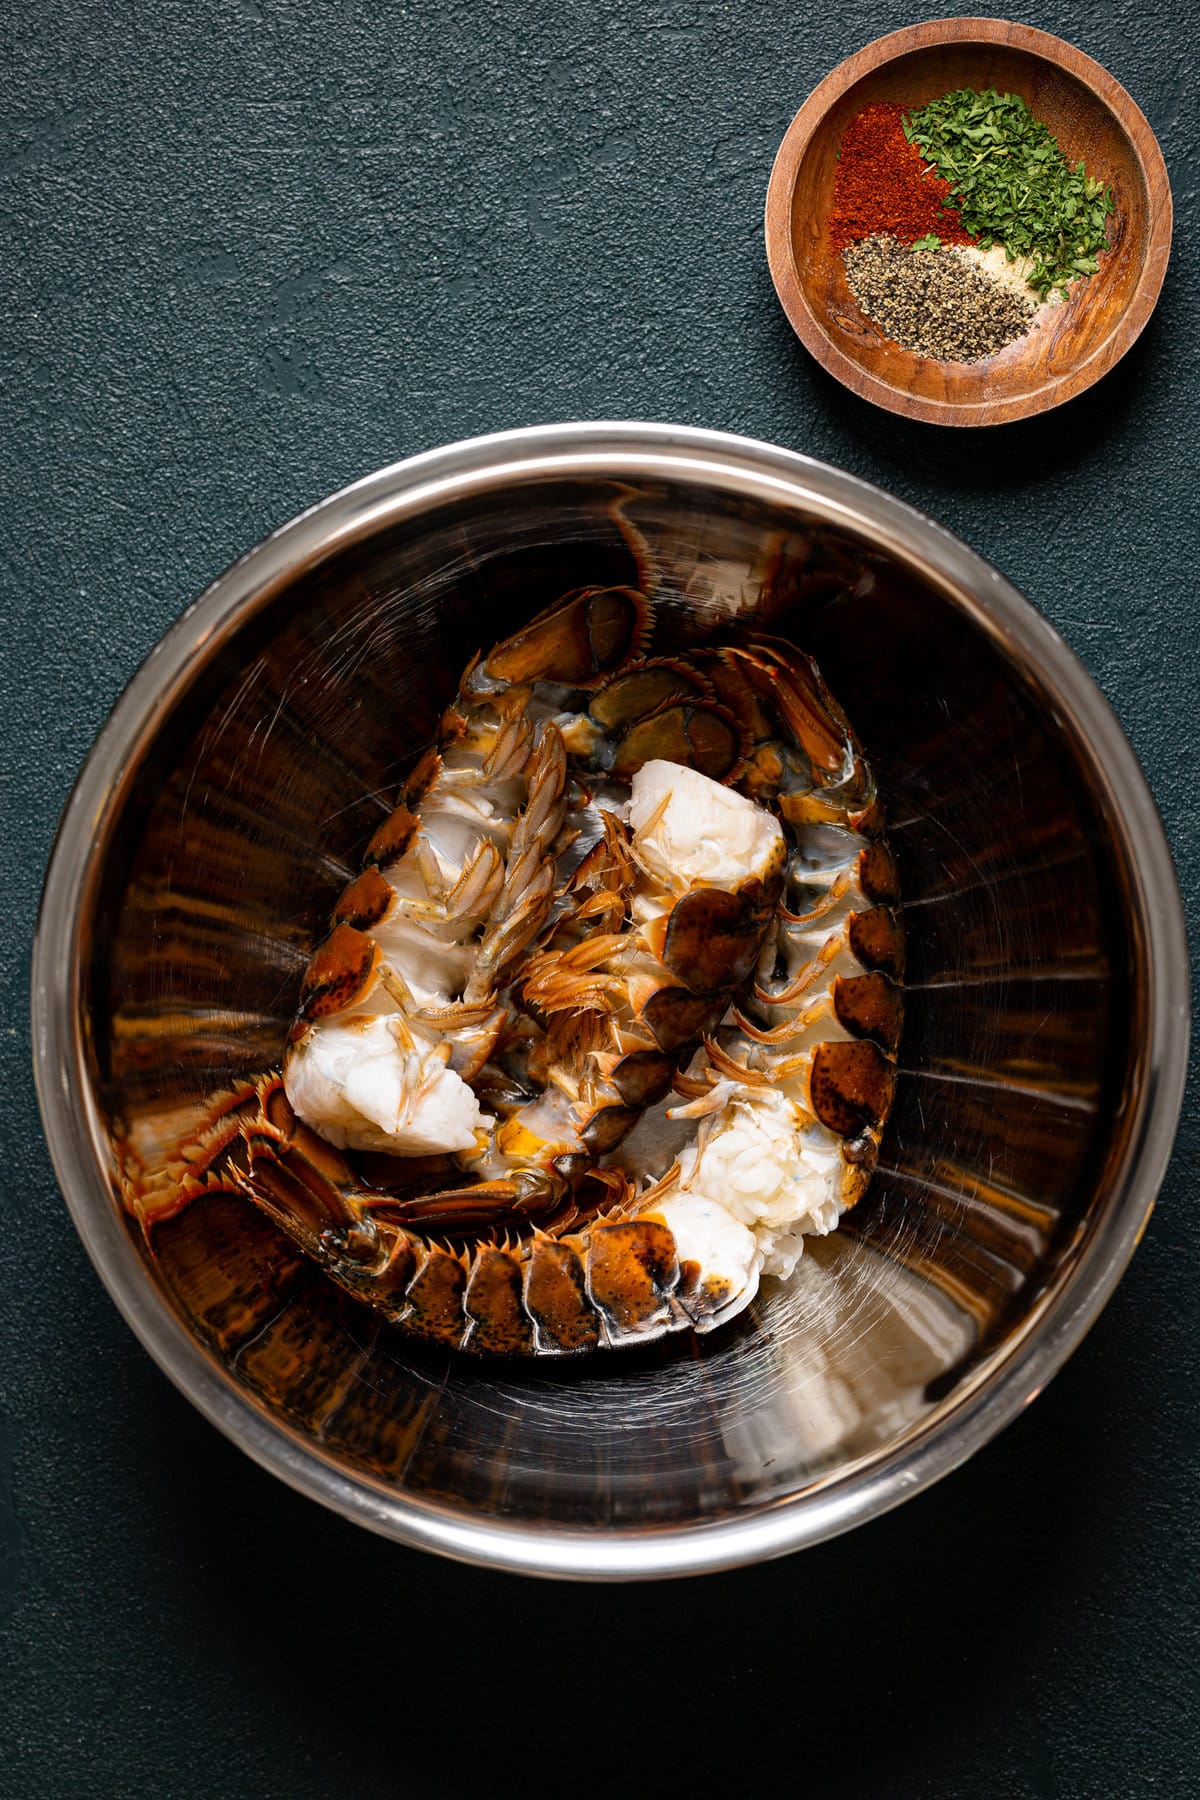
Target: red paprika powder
(884, 184)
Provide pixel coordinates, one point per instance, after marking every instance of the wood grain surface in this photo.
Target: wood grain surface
(1071, 345)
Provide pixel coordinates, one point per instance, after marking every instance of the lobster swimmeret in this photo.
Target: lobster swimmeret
(622, 898)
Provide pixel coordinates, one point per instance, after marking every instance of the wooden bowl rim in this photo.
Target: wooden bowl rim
(785, 172)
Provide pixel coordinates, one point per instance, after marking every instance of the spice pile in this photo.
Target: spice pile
(939, 306)
(884, 184)
(957, 220)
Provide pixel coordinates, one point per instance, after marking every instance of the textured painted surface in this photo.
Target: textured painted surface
(255, 248)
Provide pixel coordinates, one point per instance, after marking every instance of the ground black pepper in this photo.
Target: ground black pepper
(933, 301)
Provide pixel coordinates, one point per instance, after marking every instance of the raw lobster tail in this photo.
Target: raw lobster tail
(617, 1281)
(606, 1024)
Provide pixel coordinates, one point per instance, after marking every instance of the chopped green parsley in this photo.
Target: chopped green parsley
(1012, 185)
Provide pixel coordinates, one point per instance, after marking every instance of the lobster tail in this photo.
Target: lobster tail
(618, 889)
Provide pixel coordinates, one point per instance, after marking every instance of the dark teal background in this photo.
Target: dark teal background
(251, 250)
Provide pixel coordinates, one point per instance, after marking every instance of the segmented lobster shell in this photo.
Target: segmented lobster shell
(557, 1256)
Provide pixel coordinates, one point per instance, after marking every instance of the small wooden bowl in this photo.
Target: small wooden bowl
(1072, 345)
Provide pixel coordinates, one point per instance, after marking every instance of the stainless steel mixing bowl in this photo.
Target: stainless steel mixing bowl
(1042, 1062)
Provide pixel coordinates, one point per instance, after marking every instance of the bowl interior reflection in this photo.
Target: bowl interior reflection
(283, 755)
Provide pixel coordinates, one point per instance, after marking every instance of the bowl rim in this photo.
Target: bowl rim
(954, 1430)
(1126, 329)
